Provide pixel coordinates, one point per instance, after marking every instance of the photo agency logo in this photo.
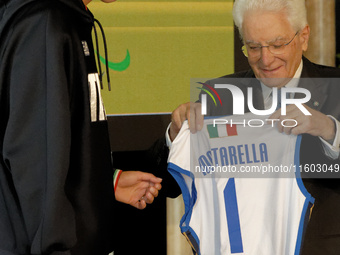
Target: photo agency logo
(280, 99)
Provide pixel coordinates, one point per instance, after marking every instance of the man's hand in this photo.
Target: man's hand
(317, 124)
(187, 111)
(137, 188)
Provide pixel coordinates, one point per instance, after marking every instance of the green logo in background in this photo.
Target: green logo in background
(121, 66)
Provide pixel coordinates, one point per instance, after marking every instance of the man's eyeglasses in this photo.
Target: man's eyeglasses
(275, 49)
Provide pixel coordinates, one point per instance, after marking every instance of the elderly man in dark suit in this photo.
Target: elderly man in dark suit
(275, 35)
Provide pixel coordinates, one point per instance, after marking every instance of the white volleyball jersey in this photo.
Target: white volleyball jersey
(233, 204)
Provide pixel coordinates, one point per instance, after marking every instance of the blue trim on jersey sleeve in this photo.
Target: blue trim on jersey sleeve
(174, 167)
(189, 201)
(309, 199)
(298, 173)
(177, 172)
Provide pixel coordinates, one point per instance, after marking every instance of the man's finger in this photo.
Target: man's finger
(199, 117)
(158, 186)
(150, 177)
(153, 191)
(148, 198)
(178, 116)
(192, 122)
(141, 204)
(196, 118)
(275, 115)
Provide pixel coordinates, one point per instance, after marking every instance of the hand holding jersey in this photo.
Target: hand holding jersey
(188, 111)
(317, 124)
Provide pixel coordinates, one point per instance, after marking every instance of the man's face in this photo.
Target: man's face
(272, 28)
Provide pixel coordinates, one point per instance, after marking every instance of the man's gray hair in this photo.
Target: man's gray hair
(295, 10)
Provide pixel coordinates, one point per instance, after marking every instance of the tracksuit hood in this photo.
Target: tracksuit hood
(8, 8)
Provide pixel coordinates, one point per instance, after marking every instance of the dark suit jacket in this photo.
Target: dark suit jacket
(322, 235)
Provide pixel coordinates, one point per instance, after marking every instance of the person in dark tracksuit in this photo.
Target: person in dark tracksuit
(56, 173)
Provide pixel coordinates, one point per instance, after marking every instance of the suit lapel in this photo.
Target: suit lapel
(310, 79)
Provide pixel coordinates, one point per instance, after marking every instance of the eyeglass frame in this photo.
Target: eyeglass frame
(245, 51)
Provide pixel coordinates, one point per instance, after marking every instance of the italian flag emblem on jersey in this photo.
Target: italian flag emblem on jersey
(224, 130)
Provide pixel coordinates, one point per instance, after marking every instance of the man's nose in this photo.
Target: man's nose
(266, 56)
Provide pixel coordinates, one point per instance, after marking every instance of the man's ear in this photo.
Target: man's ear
(304, 37)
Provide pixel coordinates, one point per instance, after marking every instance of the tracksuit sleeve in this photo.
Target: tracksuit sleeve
(36, 145)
